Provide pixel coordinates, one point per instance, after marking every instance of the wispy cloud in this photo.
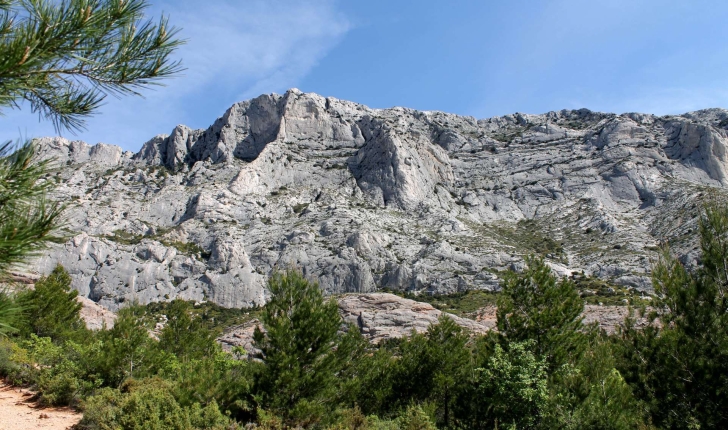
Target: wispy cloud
(235, 50)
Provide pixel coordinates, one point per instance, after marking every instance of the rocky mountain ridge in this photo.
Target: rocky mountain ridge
(367, 199)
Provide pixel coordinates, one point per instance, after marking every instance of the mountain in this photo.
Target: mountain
(367, 199)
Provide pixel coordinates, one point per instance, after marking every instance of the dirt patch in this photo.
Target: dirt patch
(18, 411)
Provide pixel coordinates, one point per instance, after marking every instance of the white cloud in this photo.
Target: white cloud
(243, 44)
(235, 50)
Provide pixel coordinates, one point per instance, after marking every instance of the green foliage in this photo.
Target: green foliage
(10, 314)
(210, 315)
(16, 366)
(27, 218)
(65, 57)
(298, 348)
(595, 290)
(542, 369)
(185, 336)
(512, 388)
(125, 238)
(536, 305)
(464, 304)
(592, 394)
(188, 248)
(679, 364)
(127, 350)
(63, 375)
(375, 380)
(432, 367)
(60, 372)
(149, 405)
(414, 417)
(220, 378)
(51, 308)
(529, 236)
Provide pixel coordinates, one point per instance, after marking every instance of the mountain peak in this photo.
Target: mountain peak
(362, 199)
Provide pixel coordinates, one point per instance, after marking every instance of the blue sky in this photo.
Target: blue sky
(480, 58)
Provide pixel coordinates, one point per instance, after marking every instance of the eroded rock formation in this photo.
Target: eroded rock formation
(362, 199)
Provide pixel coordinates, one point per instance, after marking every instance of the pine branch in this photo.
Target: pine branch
(101, 46)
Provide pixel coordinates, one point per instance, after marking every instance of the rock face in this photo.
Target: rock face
(95, 316)
(382, 316)
(362, 199)
(379, 316)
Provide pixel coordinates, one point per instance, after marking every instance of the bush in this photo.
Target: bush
(184, 336)
(221, 379)
(15, 363)
(66, 373)
(148, 405)
(592, 394)
(127, 350)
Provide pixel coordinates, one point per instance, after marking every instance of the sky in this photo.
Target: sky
(481, 58)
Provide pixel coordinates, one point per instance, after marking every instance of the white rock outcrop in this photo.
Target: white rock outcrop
(362, 199)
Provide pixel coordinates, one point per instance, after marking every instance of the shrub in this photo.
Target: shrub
(221, 379)
(184, 336)
(127, 350)
(148, 405)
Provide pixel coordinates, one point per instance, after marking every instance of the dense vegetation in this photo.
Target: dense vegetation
(542, 368)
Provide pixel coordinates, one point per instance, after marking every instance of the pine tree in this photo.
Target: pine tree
(678, 365)
(185, 336)
(64, 58)
(299, 349)
(27, 219)
(51, 308)
(536, 305)
(512, 388)
(432, 367)
(10, 314)
(127, 350)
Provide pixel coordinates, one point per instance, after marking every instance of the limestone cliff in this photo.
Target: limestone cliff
(364, 199)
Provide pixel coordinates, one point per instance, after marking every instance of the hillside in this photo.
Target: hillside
(367, 199)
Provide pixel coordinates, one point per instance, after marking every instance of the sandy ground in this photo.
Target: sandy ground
(18, 412)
